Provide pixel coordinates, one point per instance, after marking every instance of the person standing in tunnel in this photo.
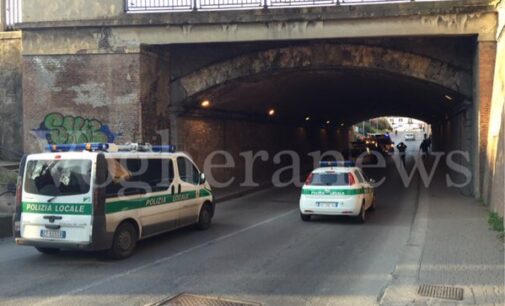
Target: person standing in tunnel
(425, 144)
(401, 149)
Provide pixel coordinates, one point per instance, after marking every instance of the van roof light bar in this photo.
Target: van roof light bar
(336, 163)
(110, 147)
(77, 147)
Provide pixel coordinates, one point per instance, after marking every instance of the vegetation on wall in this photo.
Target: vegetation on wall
(496, 223)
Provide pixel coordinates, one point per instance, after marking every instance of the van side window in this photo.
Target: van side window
(159, 174)
(138, 176)
(188, 171)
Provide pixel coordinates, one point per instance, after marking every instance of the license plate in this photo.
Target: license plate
(54, 234)
(327, 204)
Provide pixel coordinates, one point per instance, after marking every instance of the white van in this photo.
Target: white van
(107, 197)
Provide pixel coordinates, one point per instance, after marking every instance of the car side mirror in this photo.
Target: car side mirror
(202, 178)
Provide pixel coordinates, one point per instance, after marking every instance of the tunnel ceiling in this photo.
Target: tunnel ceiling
(341, 96)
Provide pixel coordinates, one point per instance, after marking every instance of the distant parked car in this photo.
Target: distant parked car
(410, 137)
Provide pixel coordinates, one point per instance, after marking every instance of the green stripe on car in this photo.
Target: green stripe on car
(332, 192)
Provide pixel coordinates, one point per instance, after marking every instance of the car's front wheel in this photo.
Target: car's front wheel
(372, 207)
(205, 218)
(125, 240)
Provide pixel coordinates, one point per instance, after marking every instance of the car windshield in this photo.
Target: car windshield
(329, 179)
(58, 177)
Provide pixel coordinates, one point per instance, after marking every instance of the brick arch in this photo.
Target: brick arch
(326, 56)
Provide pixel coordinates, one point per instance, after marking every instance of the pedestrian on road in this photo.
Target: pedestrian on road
(424, 146)
(401, 149)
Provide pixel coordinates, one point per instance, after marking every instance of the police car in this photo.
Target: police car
(337, 188)
(107, 197)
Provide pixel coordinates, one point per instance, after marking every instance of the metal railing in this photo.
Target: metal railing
(208, 5)
(12, 13)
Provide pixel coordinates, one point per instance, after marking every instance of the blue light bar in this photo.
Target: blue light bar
(77, 147)
(336, 163)
(163, 148)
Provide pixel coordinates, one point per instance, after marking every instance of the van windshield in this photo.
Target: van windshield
(58, 177)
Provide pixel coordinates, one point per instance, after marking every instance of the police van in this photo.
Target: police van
(107, 197)
(337, 188)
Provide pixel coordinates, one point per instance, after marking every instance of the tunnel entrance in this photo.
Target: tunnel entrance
(304, 96)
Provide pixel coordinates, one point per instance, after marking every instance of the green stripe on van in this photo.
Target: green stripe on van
(56, 208)
(111, 207)
(332, 192)
(205, 193)
(124, 205)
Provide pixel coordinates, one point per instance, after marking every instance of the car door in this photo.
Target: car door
(187, 190)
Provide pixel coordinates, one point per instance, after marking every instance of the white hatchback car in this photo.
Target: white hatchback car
(337, 188)
(410, 137)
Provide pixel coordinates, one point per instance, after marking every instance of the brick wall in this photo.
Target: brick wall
(154, 96)
(495, 175)
(200, 137)
(93, 97)
(10, 95)
(486, 64)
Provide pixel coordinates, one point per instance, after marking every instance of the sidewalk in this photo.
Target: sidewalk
(450, 245)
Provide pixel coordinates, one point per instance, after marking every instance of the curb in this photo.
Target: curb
(402, 289)
(5, 225)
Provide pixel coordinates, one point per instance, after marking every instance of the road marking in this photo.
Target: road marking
(162, 260)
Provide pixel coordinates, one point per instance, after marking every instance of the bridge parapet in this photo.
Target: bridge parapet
(79, 26)
(142, 12)
(209, 5)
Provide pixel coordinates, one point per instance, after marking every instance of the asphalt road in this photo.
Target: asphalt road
(258, 249)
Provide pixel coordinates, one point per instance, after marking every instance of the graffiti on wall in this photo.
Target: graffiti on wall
(59, 129)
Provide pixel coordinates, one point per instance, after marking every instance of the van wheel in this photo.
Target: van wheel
(125, 240)
(361, 217)
(305, 217)
(205, 218)
(48, 251)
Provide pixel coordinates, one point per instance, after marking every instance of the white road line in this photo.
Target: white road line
(162, 260)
